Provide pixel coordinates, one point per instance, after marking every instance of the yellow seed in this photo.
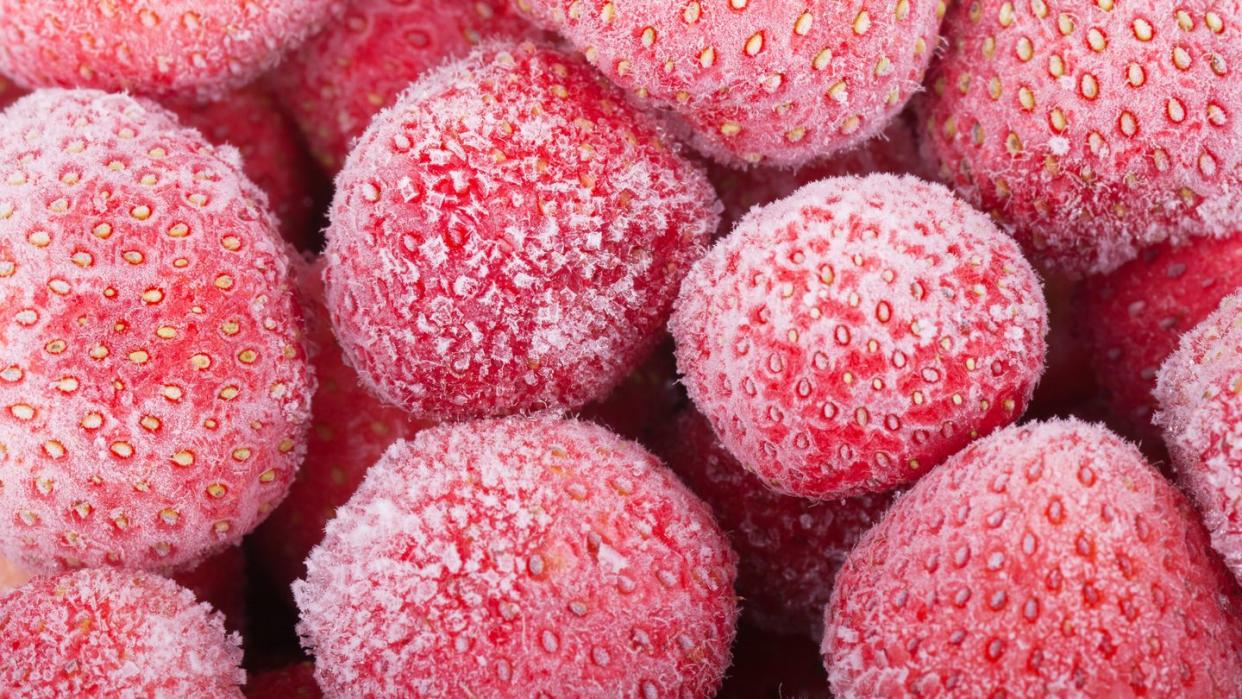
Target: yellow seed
(1090, 86)
(707, 58)
(1096, 40)
(122, 449)
(730, 128)
(1135, 75)
(1142, 29)
(1181, 58)
(1025, 49)
(247, 356)
(692, 12)
(1065, 24)
(754, 44)
(1026, 98)
(802, 26)
(152, 296)
(862, 22)
(1176, 111)
(141, 212)
(821, 59)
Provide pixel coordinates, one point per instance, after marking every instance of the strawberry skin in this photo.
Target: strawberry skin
(1133, 317)
(525, 555)
(1201, 419)
(1049, 559)
(754, 81)
(853, 335)
(154, 388)
(1093, 128)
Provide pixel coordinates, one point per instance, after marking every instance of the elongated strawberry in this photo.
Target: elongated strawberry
(1092, 128)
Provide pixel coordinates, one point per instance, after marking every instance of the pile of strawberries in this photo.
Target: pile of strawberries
(652, 349)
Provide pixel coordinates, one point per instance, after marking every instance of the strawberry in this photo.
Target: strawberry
(1095, 128)
(893, 150)
(289, 682)
(350, 430)
(340, 78)
(509, 236)
(789, 549)
(758, 82)
(114, 633)
(853, 335)
(154, 390)
(520, 556)
(174, 47)
(1049, 559)
(1133, 317)
(273, 156)
(1201, 418)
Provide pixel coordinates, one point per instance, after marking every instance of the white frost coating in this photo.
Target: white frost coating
(1199, 388)
(509, 236)
(511, 556)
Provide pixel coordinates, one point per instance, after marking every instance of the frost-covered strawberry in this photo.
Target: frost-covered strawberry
(1092, 128)
(520, 556)
(894, 150)
(789, 549)
(114, 633)
(340, 78)
(509, 236)
(853, 335)
(154, 391)
(172, 47)
(273, 156)
(1046, 560)
(1200, 392)
(290, 682)
(350, 429)
(1133, 317)
(756, 81)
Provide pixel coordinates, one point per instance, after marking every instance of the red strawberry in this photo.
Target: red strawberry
(154, 391)
(778, 83)
(789, 549)
(509, 236)
(520, 556)
(1199, 389)
(1092, 128)
(350, 429)
(850, 337)
(272, 153)
(290, 682)
(1047, 560)
(1133, 317)
(172, 47)
(339, 79)
(113, 633)
(894, 151)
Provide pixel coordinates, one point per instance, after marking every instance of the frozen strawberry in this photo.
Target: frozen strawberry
(221, 582)
(509, 237)
(1201, 416)
(273, 156)
(778, 83)
(291, 682)
(1092, 128)
(855, 334)
(339, 79)
(154, 391)
(894, 151)
(9, 93)
(114, 633)
(350, 429)
(520, 556)
(1133, 317)
(645, 403)
(789, 549)
(1047, 560)
(173, 47)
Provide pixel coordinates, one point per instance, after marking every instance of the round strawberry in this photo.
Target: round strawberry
(1092, 128)
(114, 633)
(290, 682)
(154, 391)
(340, 78)
(509, 237)
(523, 555)
(173, 47)
(789, 549)
(1133, 317)
(895, 150)
(350, 430)
(1199, 389)
(1047, 560)
(777, 83)
(273, 156)
(853, 335)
